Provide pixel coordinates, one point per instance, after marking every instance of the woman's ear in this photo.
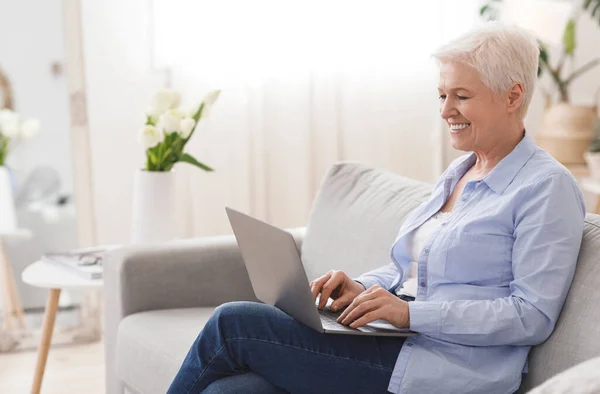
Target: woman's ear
(515, 97)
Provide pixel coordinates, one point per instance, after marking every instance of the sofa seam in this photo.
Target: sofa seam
(592, 224)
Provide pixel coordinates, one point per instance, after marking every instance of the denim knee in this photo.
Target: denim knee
(235, 309)
(238, 309)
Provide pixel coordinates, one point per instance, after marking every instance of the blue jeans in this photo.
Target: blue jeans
(248, 347)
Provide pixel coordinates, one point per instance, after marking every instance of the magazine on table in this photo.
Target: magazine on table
(84, 262)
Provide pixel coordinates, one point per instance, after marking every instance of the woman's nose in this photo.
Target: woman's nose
(447, 109)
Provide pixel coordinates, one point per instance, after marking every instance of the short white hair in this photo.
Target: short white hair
(501, 54)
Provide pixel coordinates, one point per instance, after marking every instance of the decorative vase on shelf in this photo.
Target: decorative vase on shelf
(154, 206)
(8, 218)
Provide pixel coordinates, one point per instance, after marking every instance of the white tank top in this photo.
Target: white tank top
(415, 246)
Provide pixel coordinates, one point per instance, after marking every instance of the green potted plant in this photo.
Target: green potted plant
(168, 129)
(567, 129)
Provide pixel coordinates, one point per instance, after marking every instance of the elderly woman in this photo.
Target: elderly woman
(492, 253)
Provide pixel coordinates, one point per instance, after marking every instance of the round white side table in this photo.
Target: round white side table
(55, 278)
(12, 304)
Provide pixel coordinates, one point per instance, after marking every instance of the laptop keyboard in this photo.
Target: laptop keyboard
(329, 321)
(329, 318)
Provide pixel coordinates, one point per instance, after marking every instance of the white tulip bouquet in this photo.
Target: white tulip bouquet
(13, 130)
(168, 129)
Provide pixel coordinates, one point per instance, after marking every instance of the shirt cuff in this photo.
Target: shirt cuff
(366, 281)
(425, 316)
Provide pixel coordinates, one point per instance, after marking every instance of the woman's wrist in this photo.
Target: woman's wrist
(360, 283)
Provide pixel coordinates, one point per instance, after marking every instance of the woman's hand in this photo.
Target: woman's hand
(376, 303)
(338, 286)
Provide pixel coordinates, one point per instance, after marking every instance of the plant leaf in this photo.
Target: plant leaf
(166, 154)
(197, 116)
(198, 113)
(543, 52)
(593, 6)
(488, 12)
(569, 37)
(152, 156)
(544, 59)
(191, 160)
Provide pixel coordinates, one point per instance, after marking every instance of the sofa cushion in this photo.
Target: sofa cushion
(575, 337)
(152, 345)
(583, 378)
(356, 217)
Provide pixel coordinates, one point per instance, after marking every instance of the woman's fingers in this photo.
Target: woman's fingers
(362, 297)
(361, 310)
(341, 302)
(317, 284)
(334, 281)
(373, 304)
(367, 318)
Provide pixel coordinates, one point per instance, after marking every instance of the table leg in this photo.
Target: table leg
(47, 328)
(14, 298)
(7, 307)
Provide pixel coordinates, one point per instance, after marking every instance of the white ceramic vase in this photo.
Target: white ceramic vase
(8, 217)
(154, 208)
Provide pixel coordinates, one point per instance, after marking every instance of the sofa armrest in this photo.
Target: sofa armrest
(182, 274)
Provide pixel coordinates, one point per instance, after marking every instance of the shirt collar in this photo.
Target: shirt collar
(504, 172)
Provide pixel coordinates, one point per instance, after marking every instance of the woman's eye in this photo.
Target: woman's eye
(461, 97)
(442, 97)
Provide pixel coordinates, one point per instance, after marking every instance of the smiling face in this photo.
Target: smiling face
(477, 119)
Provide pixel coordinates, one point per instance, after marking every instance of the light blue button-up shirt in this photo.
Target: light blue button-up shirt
(492, 279)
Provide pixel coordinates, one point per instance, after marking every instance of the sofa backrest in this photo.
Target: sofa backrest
(576, 337)
(356, 217)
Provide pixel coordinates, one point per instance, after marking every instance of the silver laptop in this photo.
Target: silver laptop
(278, 278)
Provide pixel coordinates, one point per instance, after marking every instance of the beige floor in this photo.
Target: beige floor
(70, 370)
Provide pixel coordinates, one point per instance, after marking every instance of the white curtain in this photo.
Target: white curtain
(305, 84)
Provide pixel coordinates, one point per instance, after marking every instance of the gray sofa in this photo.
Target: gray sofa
(158, 298)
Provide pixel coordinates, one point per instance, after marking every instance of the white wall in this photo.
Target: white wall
(119, 82)
(270, 142)
(31, 40)
(29, 43)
